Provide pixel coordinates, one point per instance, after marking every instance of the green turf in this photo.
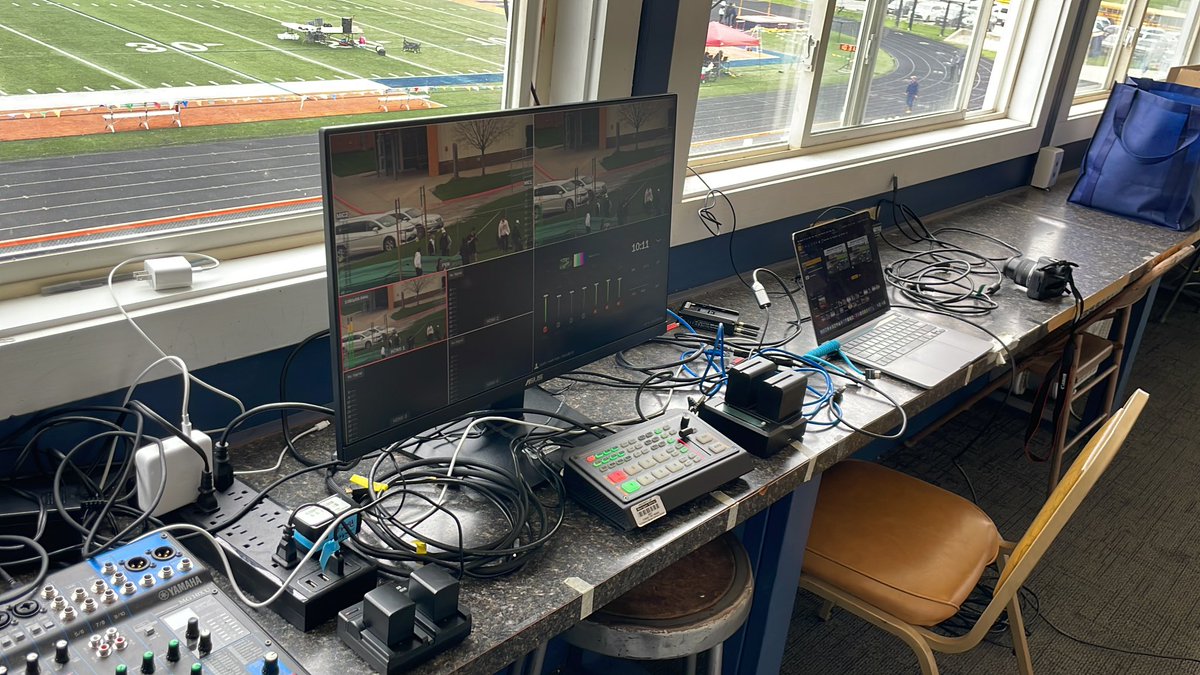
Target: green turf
(354, 163)
(152, 42)
(631, 156)
(469, 185)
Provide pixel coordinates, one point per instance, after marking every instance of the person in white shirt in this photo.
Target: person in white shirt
(503, 232)
(417, 263)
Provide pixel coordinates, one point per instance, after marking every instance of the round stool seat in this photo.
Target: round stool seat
(690, 607)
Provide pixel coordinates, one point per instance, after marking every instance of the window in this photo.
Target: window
(142, 117)
(1136, 38)
(797, 75)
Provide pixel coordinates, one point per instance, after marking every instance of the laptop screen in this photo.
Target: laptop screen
(843, 278)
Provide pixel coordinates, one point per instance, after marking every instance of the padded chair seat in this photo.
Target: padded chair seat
(903, 545)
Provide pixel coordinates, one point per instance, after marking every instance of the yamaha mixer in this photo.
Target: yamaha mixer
(146, 607)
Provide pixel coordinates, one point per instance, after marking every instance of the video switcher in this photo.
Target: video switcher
(146, 607)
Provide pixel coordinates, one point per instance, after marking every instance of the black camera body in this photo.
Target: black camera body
(1043, 279)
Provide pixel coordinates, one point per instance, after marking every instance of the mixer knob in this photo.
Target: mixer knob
(270, 664)
(32, 667)
(148, 663)
(173, 651)
(205, 642)
(193, 628)
(60, 652)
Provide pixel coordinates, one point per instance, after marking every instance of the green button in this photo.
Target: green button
(197, 669)
(122, 669)
(621, 454)
(631, 486)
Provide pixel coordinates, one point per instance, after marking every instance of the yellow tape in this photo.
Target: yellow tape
(361, 481)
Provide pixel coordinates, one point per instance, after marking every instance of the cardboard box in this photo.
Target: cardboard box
(1189, 75)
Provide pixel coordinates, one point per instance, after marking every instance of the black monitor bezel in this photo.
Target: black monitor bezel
(347, 451)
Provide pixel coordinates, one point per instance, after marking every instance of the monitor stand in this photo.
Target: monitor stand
(493, 447)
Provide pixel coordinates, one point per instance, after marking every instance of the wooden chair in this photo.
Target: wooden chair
(904, 554)
(1081, 361)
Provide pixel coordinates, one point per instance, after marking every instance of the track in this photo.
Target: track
(54, 195)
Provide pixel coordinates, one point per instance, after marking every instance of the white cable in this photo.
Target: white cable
(112, 291)
(319, 426)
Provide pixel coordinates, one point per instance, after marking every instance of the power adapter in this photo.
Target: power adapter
(182, 467)
(167, 273)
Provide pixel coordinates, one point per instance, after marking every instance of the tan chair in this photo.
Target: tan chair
(904, 555)
(1092, 362)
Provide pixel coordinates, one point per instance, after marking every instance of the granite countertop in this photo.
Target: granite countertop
(515, 613)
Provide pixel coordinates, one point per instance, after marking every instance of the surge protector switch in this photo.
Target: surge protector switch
(183, 468)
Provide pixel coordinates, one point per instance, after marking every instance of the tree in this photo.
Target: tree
(637, 114)
(419, 285)
(482, 133)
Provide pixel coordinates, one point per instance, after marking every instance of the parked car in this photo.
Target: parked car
(592, 188)
(558, 196)
(430, 222)
(367, 339)
(372, 233)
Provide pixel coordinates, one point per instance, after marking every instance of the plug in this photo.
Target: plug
(286, 554)
(222, 467)
(760, 294)
(206, 499)
(167, 273)
(177, 472)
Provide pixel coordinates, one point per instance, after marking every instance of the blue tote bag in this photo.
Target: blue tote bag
(1144, 160)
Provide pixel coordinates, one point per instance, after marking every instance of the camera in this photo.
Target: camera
(1043, 278)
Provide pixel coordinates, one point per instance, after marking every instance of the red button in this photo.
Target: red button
(617, 477)
(591, 458)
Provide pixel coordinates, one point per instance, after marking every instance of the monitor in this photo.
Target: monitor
(471, 257)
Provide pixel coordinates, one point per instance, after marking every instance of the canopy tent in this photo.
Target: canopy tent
(720, 35)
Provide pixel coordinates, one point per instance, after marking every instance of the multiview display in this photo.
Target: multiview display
(478, 253)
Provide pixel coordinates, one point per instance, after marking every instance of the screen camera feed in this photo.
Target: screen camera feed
(468, 254)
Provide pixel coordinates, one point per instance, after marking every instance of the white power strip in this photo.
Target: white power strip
(183, 469)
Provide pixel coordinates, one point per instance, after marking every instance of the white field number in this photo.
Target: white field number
(155, 48)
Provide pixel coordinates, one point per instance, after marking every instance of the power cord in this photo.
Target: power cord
(713, 223)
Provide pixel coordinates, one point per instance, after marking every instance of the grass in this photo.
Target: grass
(456, 102)
(354, 163)
(413, 308)
(470, 185)
(626, 157)
(152, 42)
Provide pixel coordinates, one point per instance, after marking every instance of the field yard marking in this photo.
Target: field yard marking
(190, 84)
(71, 56)
(165, 84)
(248, 39)
(422, 41)
(457, 16)
(214, 82)
(171, 47)
(113, 86)
(3, 93)
(271, 18)
(31, 91)
(60, 89)
(88, 88)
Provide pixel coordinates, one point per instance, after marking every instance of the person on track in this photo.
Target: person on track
(914, 87)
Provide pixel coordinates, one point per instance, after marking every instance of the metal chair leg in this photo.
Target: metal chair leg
(690, 665)
(826, 610)
(715, 656)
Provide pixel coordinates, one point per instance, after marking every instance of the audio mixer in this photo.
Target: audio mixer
(146, 607)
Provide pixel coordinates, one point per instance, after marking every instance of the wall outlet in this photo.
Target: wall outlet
(1045, 173)
(183, 468)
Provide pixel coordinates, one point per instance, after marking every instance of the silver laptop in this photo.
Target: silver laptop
(848, 300)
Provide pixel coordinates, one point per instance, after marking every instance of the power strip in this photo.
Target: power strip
(315, 597)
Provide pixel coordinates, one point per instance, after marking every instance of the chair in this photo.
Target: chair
(690, 607)
(1075, 359)
(904, 555)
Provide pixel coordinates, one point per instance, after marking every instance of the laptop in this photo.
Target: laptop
(848, 301)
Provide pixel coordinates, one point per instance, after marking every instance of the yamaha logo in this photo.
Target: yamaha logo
(185, 585)
(164, 595)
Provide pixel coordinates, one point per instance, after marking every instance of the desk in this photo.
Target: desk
(773, 503)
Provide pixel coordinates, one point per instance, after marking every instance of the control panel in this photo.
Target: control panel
(146, 607)
(636, 475)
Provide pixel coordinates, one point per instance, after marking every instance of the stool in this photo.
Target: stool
(690, 607)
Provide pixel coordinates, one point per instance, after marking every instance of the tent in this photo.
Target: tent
(720, 35)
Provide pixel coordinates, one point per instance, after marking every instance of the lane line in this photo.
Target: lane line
(82, 60)
(143, 160)
(47, 195)
(119, 178)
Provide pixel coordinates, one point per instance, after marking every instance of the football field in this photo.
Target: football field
(55, 46)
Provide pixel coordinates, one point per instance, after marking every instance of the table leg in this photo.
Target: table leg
(775, 540)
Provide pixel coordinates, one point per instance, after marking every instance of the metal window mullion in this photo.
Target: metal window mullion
(864, 69)
(809, 83)
(1135, 14)
(975, 53)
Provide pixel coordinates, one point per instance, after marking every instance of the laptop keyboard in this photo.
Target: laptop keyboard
(889, 341)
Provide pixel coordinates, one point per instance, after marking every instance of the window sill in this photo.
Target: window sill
(774, 189)
(75, 345)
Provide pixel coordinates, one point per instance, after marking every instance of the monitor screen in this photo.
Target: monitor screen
(842, 274)
(472, 256)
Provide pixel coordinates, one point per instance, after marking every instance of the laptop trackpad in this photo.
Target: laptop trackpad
(932, 363)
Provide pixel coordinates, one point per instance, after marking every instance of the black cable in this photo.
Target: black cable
(710, 220)
(43, 568)
(175, 431)
(283, 396)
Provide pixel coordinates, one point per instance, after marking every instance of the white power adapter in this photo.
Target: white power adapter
(170, 272)
(183, 468)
